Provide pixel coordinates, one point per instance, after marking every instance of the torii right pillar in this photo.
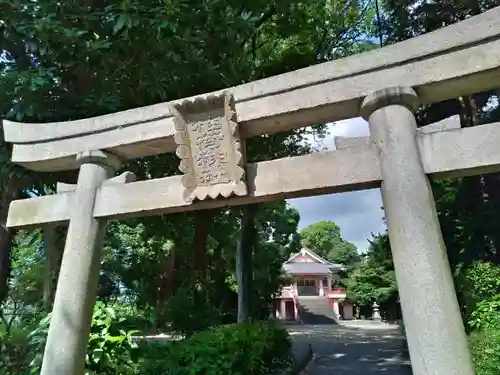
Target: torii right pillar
(436, 337)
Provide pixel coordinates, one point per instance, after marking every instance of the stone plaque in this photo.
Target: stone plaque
(209, 146)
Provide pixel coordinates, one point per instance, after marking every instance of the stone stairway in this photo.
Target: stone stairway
(316, 310)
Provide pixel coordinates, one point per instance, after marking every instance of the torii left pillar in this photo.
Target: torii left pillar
(79, 276)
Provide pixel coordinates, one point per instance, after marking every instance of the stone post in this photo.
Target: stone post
(79, 276)
(436, 337)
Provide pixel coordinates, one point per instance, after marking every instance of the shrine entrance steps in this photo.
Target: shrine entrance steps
(316, 310)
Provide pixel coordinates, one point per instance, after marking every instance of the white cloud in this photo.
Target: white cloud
(359, 214)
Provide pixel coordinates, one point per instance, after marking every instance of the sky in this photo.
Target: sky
(359, 213)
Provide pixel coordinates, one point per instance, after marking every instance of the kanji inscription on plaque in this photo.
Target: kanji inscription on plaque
(209, 146)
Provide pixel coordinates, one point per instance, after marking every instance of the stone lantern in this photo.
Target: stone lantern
(376, 312)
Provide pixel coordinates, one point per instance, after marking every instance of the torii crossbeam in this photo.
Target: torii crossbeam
(445, 154)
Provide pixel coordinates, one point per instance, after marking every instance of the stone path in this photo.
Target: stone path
(355, 348)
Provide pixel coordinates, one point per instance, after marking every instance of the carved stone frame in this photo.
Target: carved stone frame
(185, 115)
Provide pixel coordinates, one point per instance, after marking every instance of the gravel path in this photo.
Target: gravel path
(354, 348)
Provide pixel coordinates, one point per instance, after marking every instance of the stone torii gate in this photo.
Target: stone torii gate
(384, 86)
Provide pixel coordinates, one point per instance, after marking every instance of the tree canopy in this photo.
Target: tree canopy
(325, 239)
(374, 279)
(65, 61)
(71, 60)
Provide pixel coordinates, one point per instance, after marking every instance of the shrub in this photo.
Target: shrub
(240, 349)
(478, 282)
(110, 349)
(485, 348)
(486, 313)
(190, 312)
(13, 350)
(485, 338)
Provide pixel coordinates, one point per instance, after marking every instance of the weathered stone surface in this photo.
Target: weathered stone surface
(124, 178)
(398, 95)
(449, 123)
(210, 148)
(267, 181)
(460, 59)
(444, 154)
(348, 142)
(79, 275)
(436, 337)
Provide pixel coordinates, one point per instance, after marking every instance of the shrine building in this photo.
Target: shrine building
(312, 276)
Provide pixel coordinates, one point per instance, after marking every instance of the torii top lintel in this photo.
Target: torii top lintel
(460, 59)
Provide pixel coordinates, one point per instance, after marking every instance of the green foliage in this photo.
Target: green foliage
(36, 345)
(250, 349)
(485, 347)
(63, 61)
(21, 348)
(479, 285)
(110, 349)
(189, 311)
(155, 265)
(193, 47)
(369, 283)
(28, 268)
(13, 349)
(254, 349)
(325, 239)
(407, 18)
(486, 313)
(374, 278)
(482, 280)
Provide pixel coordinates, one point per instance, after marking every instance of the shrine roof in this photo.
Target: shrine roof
(307, 262)
(306, 253)
(308, 268)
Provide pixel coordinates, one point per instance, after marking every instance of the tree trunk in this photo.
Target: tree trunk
(7, 196)
(5, 247)
(49, 237)
(472, 194)
(244, 262)
(492, 190)
(165, 287)
(202, 224)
